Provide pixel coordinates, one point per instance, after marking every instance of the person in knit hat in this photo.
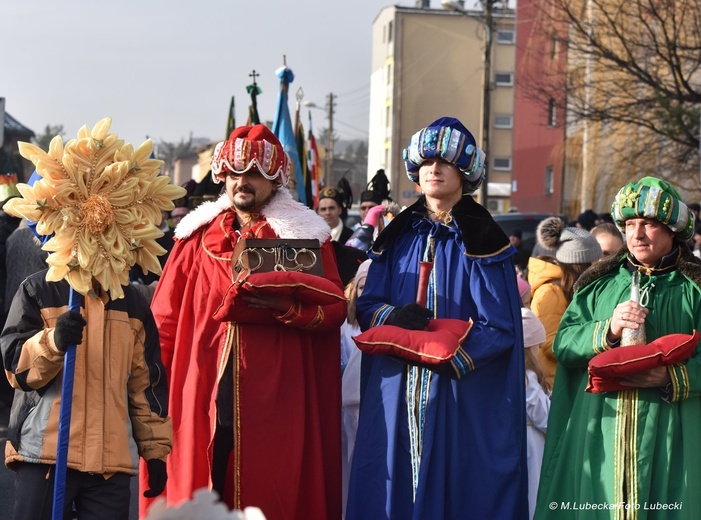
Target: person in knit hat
(537, 402)
(639, 445)
(552, 278)
(587, 219)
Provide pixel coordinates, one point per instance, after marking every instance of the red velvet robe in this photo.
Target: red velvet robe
(286, 457)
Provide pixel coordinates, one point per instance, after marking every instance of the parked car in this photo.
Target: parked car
(526, 222)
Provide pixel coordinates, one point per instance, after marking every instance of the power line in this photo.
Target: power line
(364, 132)
(364, 87)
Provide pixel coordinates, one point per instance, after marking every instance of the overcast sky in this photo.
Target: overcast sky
(166, 68)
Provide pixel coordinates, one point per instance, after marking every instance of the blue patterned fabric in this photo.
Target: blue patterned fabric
(448, 139)
(428, 445)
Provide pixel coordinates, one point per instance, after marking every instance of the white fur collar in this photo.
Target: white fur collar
(287, 217)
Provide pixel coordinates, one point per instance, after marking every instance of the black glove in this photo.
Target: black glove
(157, 477)
(68, 330)
(411, 316)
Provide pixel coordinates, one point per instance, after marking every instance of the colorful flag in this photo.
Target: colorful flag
(301, 139)
(282, 128)
(231, 122)
(313, 166)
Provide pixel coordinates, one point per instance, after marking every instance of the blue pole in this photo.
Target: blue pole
(64, 424)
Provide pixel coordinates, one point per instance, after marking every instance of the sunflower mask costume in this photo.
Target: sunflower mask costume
(100, 200)
(97, 201)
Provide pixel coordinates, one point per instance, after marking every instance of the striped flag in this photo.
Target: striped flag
(313, 166)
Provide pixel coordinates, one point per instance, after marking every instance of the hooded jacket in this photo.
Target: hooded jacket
(549, 304)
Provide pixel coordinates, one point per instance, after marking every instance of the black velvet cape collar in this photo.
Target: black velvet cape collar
(481, 235)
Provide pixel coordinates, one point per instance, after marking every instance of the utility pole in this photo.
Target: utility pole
(487, 94)
(2, 121)
(329, 144)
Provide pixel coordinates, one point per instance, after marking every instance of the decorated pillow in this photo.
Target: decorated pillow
(307, 288)
(434, 346)
(608, 369)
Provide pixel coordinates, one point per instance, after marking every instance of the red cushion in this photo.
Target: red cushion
(608, 369)
(433, 346)
(307, 288)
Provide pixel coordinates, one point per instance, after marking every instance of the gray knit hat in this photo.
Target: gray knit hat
(572, 245)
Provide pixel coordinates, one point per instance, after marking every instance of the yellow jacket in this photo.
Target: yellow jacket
(549, 304)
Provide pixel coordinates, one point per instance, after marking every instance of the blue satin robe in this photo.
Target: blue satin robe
(471, 432)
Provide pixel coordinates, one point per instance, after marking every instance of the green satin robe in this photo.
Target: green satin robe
(628, 454)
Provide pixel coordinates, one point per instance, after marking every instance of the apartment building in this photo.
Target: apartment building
(429, 63)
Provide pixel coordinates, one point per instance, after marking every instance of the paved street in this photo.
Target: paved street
(7, 480)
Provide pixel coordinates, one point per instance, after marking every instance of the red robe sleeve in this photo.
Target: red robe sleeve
(319, 317)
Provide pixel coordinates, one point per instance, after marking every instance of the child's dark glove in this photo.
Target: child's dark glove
(411, 316)
(69, 330)
(157, 477)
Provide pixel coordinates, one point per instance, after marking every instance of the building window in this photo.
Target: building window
(387, 116)
(389, 74)
(504, 79)
(553, 48)
(549, 180)
(389, 31)
(552, 113)
(502, 163)
(506, 36)
(503, 121)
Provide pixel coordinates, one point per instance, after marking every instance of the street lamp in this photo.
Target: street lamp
(328, 166)
(488, 5)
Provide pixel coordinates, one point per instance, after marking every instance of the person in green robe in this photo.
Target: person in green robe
(634, 453)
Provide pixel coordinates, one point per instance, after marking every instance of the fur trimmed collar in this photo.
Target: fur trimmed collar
(689, 265)
(287, 217)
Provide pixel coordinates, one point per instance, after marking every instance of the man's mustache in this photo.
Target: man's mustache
(245, 189)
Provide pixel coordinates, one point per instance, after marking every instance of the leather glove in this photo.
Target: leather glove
(157, 477)
(411, 316)
(69, 330)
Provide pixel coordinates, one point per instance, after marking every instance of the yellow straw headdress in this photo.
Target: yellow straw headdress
(100, 201)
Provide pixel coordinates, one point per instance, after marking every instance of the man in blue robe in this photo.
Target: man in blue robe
(447, 441)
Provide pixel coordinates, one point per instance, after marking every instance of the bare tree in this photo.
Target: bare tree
(168, 152)
(50, 131)
(633, 61)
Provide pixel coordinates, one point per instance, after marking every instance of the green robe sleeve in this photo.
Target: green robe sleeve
(583, 328)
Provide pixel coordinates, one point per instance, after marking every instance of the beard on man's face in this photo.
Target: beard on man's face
(249, 204)
(245, 205)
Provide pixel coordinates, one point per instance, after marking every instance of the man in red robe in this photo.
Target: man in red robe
(255, 402)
